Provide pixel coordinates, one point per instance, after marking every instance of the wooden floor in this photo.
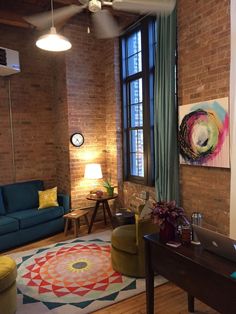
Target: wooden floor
(169, 299)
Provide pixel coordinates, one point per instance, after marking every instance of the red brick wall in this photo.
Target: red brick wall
(61, 125)
(94, 108)
(6, 171)
(80, 97)
(204, 64)
(85, 80)
(33, 118)
(113, 114)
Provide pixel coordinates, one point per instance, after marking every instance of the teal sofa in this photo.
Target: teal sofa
(21, 221)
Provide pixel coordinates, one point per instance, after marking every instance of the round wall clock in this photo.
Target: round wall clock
(77, 139)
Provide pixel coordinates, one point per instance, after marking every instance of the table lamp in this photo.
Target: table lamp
(93, 171)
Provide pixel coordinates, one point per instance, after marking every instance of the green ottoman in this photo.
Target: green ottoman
(8, 273)
(127, 247)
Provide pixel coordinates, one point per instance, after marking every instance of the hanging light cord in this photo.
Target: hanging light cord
(52, 13)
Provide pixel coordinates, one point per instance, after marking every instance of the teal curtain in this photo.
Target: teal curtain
(165, 111)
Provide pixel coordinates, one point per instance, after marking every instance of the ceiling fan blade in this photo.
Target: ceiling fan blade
(105, 25)
(145, 6)
(44, 20)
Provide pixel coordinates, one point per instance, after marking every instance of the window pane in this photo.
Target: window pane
(136, 105)
(135, 64)
(136, 153)
(136, 141)
(136, 115)
(136, 92)
(137, 164)
(134, 43)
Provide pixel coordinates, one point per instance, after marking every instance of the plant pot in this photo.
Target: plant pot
(110, 191)
(167, 232)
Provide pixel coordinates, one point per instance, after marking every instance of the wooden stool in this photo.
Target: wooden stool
(74, 217)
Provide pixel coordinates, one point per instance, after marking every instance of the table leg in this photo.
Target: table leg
(86, 220)
(149, 280)
(104, 213)
(66, 226)
(109, 212)
(190, 303)
(93, 216)
(76, 227)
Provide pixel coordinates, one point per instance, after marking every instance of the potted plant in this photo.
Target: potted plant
(109, 188)
(169, 216)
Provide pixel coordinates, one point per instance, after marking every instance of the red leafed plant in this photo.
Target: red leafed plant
(170, 212)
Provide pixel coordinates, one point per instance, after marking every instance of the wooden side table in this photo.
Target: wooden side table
(104, 201)
(74, 218)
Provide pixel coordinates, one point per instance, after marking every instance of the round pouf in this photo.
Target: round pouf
(8, 273)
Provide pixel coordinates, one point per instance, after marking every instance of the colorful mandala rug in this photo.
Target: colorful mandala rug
(72, 277)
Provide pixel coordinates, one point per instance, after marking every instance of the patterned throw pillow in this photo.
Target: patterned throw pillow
(146, 211)
(48, 198)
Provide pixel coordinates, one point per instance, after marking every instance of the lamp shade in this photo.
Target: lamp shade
(93, 171)
(53, 41)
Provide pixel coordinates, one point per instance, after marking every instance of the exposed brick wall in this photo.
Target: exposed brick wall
(113, 114)
(204, 64)
(6, 171)
(86, 106)
(31, 94)
(61, 125)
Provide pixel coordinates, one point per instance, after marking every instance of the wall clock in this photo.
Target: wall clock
(77, 139)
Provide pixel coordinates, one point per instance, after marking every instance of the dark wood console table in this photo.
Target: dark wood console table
(200, 273)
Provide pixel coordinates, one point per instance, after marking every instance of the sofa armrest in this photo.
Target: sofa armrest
(64, 200)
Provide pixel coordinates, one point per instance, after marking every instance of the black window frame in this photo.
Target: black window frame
(147, 27)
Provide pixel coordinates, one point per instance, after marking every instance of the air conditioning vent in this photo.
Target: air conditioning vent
(9, 62)
(3, 57)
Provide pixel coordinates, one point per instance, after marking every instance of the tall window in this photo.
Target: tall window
(137, 53)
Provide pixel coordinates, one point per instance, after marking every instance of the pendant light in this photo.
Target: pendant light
(53, 41)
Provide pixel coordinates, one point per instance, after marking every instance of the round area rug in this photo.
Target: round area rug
(70, 274)
(73, 277)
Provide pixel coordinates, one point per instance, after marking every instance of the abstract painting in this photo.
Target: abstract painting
(204, 133)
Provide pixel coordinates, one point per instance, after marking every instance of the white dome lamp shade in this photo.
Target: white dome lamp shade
(53, 41)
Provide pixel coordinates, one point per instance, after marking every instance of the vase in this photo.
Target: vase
(167, 232)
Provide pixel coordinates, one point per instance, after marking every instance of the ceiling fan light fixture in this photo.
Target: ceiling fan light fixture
(53, 41)
(94, 6)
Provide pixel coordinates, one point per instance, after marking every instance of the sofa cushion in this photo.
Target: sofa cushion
(8, 224)
(48, 198)
(124, 239)
(20, 196)
(31, 217)
(2, 207)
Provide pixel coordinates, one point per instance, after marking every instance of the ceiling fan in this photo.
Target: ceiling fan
(105, 24)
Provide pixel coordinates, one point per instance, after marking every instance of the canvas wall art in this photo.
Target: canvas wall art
(204, 133)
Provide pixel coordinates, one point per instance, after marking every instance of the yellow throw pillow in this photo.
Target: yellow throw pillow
(48, 198)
